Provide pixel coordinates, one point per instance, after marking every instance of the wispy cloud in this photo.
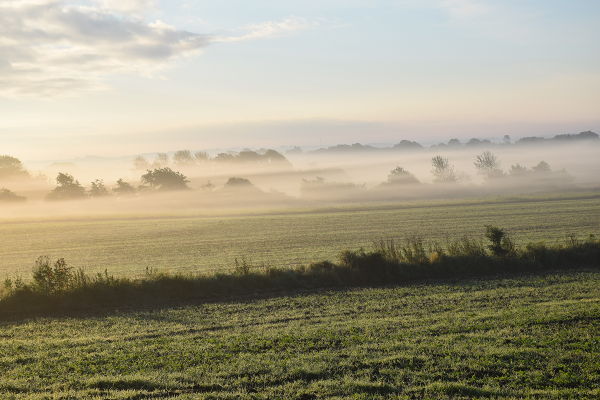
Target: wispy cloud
(51, 47)
(267, 29)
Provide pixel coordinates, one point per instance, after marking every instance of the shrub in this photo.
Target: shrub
(501, 244)
(52, 278)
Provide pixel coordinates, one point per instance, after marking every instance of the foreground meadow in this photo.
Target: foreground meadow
(520, 337)
(126, 246)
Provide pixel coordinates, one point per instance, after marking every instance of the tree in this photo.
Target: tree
(11, 167)
(183, 157)
(443, 171)
(238, 182)
(165, 179)
(98, 189)
(123, 188)
(10, 196)
(487, 164)
(67, 188)
(140, 163)
(518, 170)
(542, 168)
(201, 156)
(401, 176)
(161, 161)
(506, 139)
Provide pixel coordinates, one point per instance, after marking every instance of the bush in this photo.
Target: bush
(51, 278)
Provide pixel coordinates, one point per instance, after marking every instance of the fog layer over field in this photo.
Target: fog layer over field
(269, 180)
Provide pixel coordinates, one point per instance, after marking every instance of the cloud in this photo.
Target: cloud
(55, 47)
(268, 29)
(127, 6)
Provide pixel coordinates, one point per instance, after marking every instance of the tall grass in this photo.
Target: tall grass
(57, 288)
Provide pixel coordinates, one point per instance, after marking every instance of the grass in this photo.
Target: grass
(57, 288)
(529, 337)
(125, 247)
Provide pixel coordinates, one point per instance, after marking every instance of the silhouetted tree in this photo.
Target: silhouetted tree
(201, 156)
(11, 167)
(67, 188)
(123, 188)
(97, 189)
(518, 170)
(183, 157)
(10, 196)
(401, 176)
(542, 167)
(238, 182)
(161, 161)
(487, 164)
(165, 179)
(140, 163)
(442, 170)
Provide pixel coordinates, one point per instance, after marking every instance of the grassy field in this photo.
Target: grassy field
(531, 337)
(126, 246)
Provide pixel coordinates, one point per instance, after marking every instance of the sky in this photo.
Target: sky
(114, 77)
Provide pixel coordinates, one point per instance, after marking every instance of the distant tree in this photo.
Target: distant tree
(506, 139)
(224, 157)
(542, 167)
(140, 163)
(408, 145)
(11, 167)
(518, 170)
(123, 188)
(161, 161)
(454, 142)
(183, 157)
(443, 171)
(165, 179)
(487, 164)
(238, 182)
(201, 156)
(67, 188)
(401, 176)
(97, 189)
(10, 196)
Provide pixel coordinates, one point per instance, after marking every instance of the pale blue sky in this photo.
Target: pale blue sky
(396, 69)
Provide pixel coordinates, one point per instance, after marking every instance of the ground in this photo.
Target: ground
(517, 337)
(126, 246)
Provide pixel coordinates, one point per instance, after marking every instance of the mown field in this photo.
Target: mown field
(126, 246)
(527, 337)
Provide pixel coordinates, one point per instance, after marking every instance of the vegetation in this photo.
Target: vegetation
(98, 189)
(488, 165)
(443, 171)
(68, 188)
(126, 245)
(165, 179)
(57, 288)
(11, 167)
(8, 196)
(529, 337)
(401, 176)
(123, 188)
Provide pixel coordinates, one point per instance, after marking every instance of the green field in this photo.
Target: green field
(126, 246)
(532, 337)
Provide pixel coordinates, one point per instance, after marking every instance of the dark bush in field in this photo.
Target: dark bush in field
(58, 288)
